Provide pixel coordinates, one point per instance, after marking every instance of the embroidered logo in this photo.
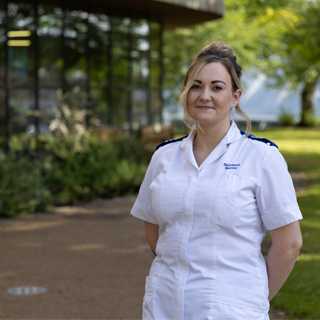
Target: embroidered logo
(231, 165)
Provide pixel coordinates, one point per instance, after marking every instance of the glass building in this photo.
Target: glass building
(112, 50)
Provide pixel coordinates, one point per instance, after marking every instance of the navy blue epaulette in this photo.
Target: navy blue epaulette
(252, 137)
(169, 141)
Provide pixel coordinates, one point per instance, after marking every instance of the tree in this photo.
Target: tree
(277, 37)
(303, 54)
(294, 49)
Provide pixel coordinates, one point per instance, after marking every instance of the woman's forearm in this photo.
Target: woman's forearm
(284, 251)
(152, 235)
(279, 266)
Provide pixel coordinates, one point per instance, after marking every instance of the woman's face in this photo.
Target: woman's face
(210, 98)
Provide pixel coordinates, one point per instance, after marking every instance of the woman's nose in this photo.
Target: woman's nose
(205, 95)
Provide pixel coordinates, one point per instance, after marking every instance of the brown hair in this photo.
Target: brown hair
(214, 52)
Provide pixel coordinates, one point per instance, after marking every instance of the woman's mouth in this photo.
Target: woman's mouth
(204, 107)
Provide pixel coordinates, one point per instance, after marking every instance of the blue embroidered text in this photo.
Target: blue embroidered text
(231, 165)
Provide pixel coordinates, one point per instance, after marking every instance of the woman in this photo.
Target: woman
(209, 199)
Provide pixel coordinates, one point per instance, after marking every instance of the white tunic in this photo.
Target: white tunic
(212, 220)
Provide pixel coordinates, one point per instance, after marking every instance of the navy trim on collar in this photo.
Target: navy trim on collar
(170, 141)
(252, 137)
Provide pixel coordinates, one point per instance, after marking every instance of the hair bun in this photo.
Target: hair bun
(221, 47)
(221, 51)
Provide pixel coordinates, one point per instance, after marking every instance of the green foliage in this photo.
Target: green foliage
(70, 169)
(86, 168)
(70, 113)
(286, 118)
(278, 37)
(309, 120)
(22, 189)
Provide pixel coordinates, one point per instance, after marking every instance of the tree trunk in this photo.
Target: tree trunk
(307, 110)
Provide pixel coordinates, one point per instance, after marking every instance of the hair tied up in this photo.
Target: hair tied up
(215, 52)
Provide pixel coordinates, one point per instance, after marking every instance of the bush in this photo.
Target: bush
(87, 168)
(309, 121)
(286, 118)
(22, 189)
(68, 170)
(70, 166)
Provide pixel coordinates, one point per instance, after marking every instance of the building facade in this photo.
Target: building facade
(111, 50)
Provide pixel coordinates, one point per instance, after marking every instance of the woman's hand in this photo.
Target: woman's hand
(284, 251)
(152, 235)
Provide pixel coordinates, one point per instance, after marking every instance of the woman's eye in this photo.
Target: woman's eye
(217, 88)
(195, 86)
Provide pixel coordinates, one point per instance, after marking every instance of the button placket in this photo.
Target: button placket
(188, 217)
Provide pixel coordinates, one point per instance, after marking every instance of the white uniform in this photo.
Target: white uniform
(212, 220)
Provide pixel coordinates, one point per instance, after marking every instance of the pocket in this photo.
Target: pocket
(147, 307)
(242, 297)
(237, 202)
(229, 312)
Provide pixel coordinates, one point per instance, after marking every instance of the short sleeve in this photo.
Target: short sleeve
(142, 208)
(276, 198)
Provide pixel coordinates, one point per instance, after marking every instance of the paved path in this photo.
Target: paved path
(91, 259)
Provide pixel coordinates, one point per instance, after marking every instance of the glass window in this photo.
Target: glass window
(22, 116)
(140, 71)
(120, 98)
(2, 133)
(2, 118)
(100, 105)
(47, 102)
(155, 71)
(50, 23)
(2, 103)
(116, 58)
(21, 43)
(3, 38)
(121, 25)
(140, 112)
(140, 27)
(155, 99)
(75, 37)
(99, 25)
(100, 52)
(155, 37)
(120, 63)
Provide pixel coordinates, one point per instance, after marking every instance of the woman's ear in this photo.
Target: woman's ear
(236, 97)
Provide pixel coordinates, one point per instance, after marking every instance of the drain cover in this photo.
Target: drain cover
(26, 291)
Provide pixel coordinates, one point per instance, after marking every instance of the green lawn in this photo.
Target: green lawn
(300, 296)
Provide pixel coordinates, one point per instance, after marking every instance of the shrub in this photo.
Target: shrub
(22, 189)
(286, 118)
(310, 121)
(69, 169)
(87, 168)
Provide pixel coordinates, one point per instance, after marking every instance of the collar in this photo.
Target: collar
(232, 135)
